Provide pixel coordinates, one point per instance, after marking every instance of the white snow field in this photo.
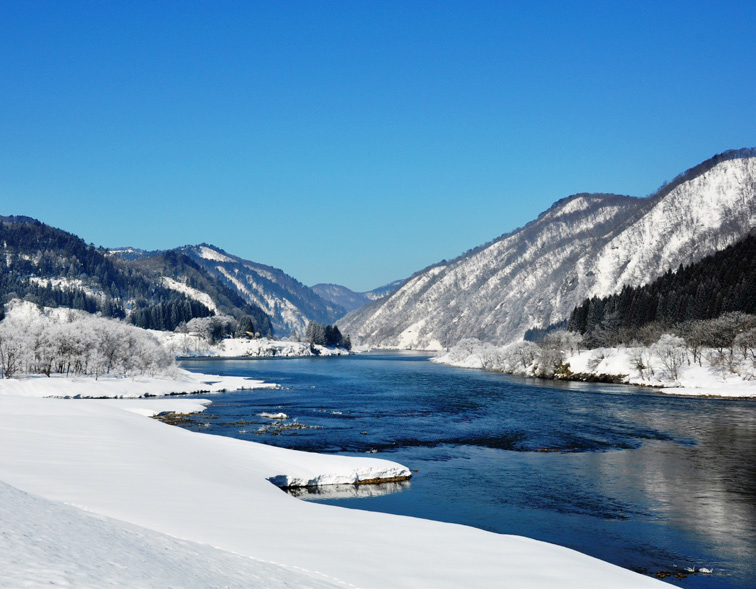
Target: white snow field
(93, 494)
(50, 543)
(178, 382)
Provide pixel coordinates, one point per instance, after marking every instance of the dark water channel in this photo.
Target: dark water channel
(649, 482)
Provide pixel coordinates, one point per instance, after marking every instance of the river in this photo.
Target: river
(650, 482)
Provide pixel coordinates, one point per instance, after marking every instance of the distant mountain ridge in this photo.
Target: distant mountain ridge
(350, 300)
(585, 245)
(51, 267)
(287, 304)
(178, 272)
(153, 289)
(290, 304)
(131, 253)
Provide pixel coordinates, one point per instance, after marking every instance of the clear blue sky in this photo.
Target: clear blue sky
(356, 142)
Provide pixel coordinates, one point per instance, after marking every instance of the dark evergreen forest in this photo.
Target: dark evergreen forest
(181, 267)
(720, 283)
(327, 335)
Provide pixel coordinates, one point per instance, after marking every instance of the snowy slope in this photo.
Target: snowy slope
(192, 293)
(175, 271)
(156, 498)
(350, 300)
(585, 245)
(47, 543)
(289, 303)
(383, 291)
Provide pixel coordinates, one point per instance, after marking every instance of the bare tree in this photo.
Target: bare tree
(672, 352)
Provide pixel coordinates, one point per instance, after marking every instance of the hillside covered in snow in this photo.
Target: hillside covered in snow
(350, 300)
(152, 289)
(181, 274)
(290, 304)
(585, 245)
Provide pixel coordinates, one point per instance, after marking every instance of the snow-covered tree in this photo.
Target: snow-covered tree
(672, 352)
(77, 343)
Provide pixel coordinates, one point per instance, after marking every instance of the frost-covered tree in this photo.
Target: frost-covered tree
(746, 343)
(10, 350)
(464, 349)
(514, 358)
(212, 329)
(672, 352)
(76, 343)
(326, 335)
(640, 358)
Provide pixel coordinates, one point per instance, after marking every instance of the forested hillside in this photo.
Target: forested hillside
(720, 283)
(179, 273)
(290, 304)
(54, 268)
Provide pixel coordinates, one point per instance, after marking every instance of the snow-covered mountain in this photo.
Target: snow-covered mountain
(350, 300)
(383, 291)
(585, 245)
(179, 273)
(54, 268)
(289, 303)
(131, 253)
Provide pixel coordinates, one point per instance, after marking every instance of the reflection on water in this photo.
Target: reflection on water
(348, 491)
(646, 481)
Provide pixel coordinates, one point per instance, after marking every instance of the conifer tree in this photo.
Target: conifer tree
(245, 327)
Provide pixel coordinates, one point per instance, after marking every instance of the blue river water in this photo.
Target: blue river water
(650, 482)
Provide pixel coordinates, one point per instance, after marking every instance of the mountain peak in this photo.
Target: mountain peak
(290, 304)
(584, 245)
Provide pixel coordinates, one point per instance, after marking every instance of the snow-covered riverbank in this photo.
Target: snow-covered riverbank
(630, 365)
(101, 495)
(178, 382)
(191, 345)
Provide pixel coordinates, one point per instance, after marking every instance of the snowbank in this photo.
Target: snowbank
(692, 379)
(705, 379)
(141, 481)
(183, 382)
(157, 406)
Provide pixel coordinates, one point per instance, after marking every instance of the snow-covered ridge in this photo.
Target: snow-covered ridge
(290, 304)
(211, 254)
(192, 293)
(585, 245)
